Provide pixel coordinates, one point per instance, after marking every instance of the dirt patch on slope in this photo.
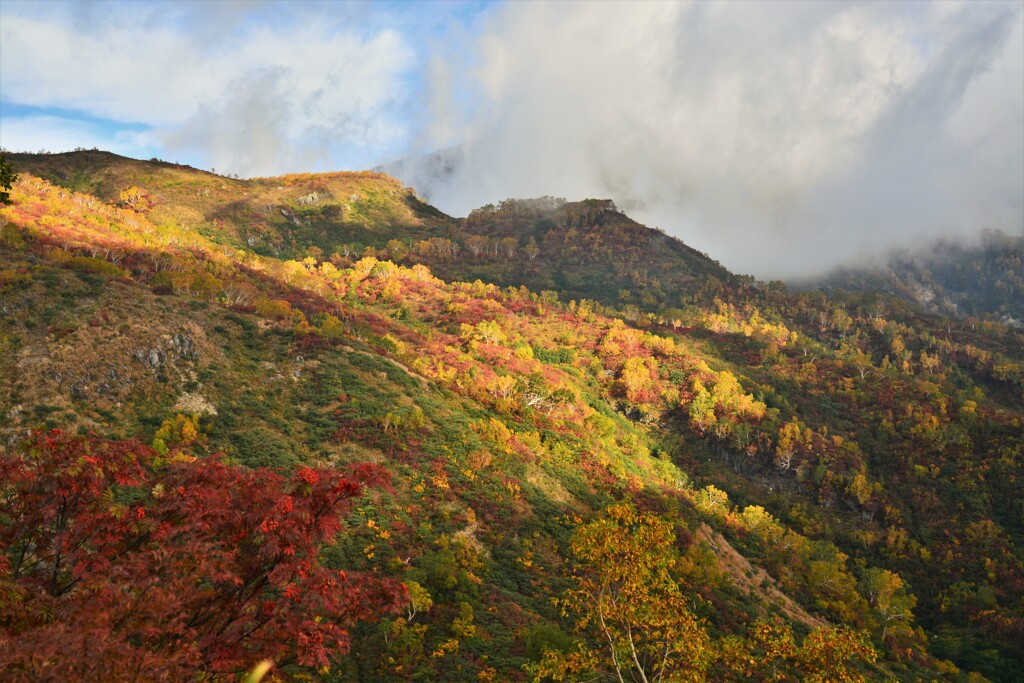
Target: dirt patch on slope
(754, 580)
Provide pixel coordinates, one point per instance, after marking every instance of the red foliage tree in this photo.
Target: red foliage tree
(116, 567)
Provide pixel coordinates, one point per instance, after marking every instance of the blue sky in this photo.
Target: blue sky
(782, 137)
(142, 78)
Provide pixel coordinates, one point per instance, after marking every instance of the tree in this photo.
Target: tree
(627, 598)
(769, 653)
(532, 251)
(508, 246)
(7, 180)
(888, 597)
(834, 655)
(117, 567)
(476, 245)
(133, 197)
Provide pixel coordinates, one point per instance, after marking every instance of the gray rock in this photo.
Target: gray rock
(184, 346)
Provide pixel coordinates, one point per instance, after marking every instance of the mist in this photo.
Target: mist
(783, 139)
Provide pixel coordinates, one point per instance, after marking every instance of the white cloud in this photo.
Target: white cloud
(780, 137)
(245, 93)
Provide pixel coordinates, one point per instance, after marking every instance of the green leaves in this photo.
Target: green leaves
(7, 179)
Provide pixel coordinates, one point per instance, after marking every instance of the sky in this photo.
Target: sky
(781, 138)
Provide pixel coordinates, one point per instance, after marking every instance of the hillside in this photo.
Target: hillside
(563, 401)
(582, 249)
(985, 280)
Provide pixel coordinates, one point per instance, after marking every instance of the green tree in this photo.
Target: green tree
(7, 178)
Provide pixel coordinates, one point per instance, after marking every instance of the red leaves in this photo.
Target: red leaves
(209, 579)
(308, 475)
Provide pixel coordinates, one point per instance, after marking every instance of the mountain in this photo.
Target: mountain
(571, 446)
(984, 280)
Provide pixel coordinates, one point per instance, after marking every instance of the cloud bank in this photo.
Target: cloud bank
(782, 138)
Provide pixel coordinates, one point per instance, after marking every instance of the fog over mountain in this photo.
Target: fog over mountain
(782, 142)
(782, 138)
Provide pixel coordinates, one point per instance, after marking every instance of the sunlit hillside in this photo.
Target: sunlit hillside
(542, 442)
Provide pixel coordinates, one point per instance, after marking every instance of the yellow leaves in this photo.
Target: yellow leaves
(133, 197)
(728, 394)
(420, 599)
(863, 490)
(627, 589)
(488, 331)
(362, 268)
(392, 291)
(397, 344)
(724, 405)
(525, 560)
(502, 387)
(637, 376)
(663, 346)
(760, 522)
(462, 625)
(421, 273)
(712, 499)
(274, 308)
(180, 430)
(448, 647)
(331, 327)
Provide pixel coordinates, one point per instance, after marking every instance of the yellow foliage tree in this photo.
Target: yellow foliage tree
(628, 601)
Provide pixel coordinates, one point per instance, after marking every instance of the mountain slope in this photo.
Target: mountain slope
(984, 280)
(851, 447)
(584, 249)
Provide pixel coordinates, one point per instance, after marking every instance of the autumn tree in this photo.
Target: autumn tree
(508, 246)
(834, 655)
(531, 250)
(628, 602)
(133, 197)
(769, 652)
(476, 245)
(890, 602)
(115, 567)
